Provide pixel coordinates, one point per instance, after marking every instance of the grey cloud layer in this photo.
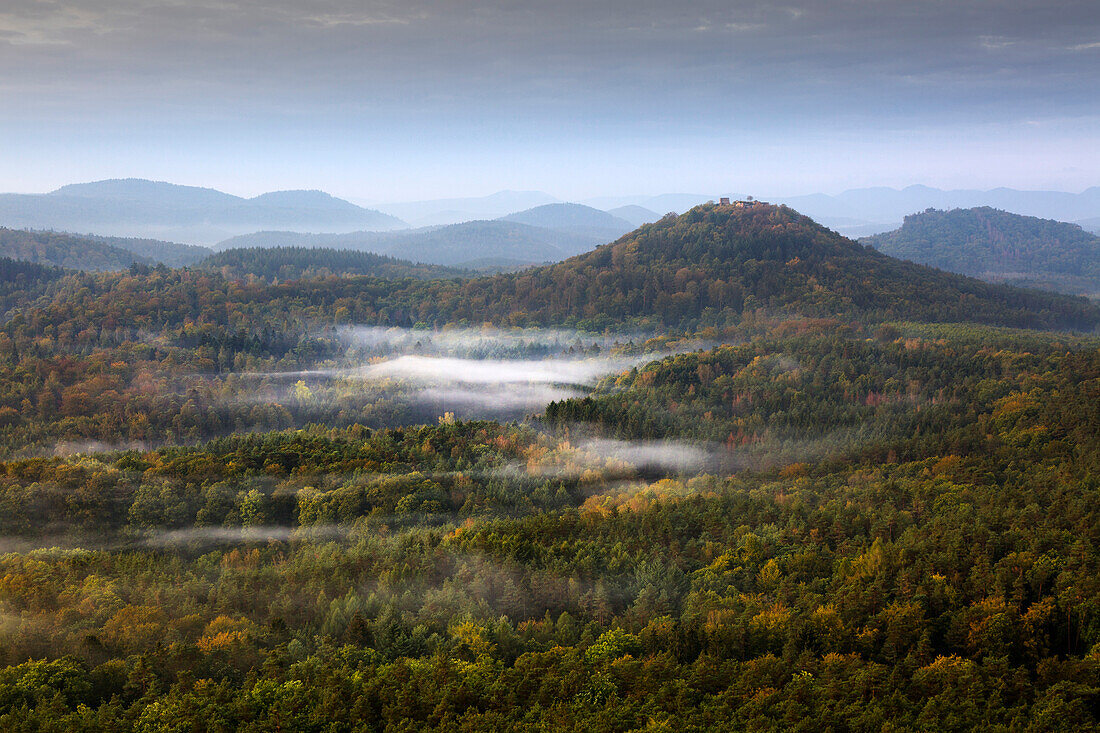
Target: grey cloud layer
(336, 51)
(408, 100)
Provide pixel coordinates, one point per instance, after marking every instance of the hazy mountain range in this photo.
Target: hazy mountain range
(865, 211)
(505, 229)
(856, 212)
(547, 233)
(440, 212)
(93, 253)
(139, 208)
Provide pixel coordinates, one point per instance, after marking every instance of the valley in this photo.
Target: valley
(728, 469)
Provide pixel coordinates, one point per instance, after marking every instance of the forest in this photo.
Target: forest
(275, 264)
(999, 246)
(769, 479)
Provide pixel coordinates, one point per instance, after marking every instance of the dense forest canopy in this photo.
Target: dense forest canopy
(276, 264)
(774, 480)
(66, 250)
(999, 246)
(92, 253)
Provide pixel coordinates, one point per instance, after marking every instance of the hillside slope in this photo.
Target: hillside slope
(295, 263)
(172, 254)
(22, 282)
(999, 246)
(67, 250)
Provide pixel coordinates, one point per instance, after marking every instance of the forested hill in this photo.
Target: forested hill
(712, 264)
(1000, 246)
(67, 250)
(710, 267)
(295, 263)
(172, 254)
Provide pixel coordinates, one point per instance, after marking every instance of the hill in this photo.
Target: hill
(294, 263)
(441, 212)
(864, 211)
(714, 264)
(151, 193)
(66, 250)
(568, 216)
(172, 254)
(999, 246)
(94, 253)
(306, 201)
(576, 219)
(636, 215)
(140, 208)
(456, 245)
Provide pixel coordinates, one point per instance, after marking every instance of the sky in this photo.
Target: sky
(416, 99)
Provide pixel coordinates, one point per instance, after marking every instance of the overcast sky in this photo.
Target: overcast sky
(383, 101)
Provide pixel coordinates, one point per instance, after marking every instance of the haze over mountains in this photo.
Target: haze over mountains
(130, 219)
(546, 233)
(140, 208)
(861, 212)
(204, 216)
(866, 211)
(94, 253)
(855, 212)
(440, 212)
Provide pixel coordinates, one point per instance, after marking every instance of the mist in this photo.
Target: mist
(408, 376)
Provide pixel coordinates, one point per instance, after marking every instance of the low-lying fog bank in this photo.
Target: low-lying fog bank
(423, 375)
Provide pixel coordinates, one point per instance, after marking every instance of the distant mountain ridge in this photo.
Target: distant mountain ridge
(861, 212)
(566, 215)
(999, 246)
(636, 215)
(857, 212)
(442, 212)
(584, 221)
(547, 233)
(480, 244)
(164, 211)
(172, 254)
(141, 208)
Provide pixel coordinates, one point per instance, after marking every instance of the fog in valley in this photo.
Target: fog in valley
(413, 376)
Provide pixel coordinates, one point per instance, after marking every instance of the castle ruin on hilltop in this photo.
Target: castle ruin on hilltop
(748, 203)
